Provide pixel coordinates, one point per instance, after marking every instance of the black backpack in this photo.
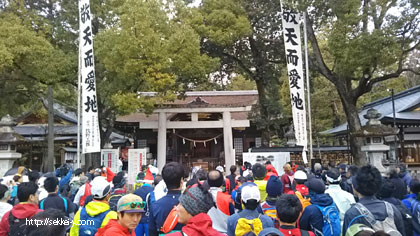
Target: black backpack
(113, 201)
(407, 219)
(17, 227)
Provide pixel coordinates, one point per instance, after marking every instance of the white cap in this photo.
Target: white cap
(300, 175)
(250, 191)
(100, 187)
(220, 168)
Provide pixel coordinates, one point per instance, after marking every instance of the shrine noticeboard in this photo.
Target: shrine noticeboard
(277, 159)
(109, 158)
(136, 159)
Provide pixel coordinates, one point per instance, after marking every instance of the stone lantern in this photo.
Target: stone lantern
(373, 133)
(290, 136)
(8, 141)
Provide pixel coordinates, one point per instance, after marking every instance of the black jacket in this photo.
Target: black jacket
(57, 202)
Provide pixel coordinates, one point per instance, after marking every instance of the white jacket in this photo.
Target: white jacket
(341, 198)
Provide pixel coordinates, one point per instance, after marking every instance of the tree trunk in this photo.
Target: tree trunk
(49, 164)
(262, 97)
(353, 121)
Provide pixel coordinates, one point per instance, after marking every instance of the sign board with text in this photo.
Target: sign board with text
(136, 159)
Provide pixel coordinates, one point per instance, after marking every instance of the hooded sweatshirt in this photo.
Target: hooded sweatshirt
(21, 211)
(114, 228)
(312, 218)
(198, 225)
(93, 208)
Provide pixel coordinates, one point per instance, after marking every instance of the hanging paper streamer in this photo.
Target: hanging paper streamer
(215, 141)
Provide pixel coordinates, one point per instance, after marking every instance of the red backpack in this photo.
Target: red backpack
(87, 193)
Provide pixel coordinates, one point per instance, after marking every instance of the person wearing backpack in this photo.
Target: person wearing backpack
(322, 217)
(192, 210)
(96, 211)
(300, 190)
(172, 174)
(385, 194)
(83, 192)
(369, 210)
(289, 210)
(249, 221)
(130, 210)
(274, 190)
(117, 192)
(258, 173)
(224, 205)
(342, 199)
(75, 182)
(14, 221)
(54, 200)
(287, 179)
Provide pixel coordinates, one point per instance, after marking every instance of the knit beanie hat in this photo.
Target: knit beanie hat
(274, 186)
(315, 185)
(196, 200)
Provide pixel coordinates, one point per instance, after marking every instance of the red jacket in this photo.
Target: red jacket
(114, 229)
(199, 225)
(287, 180)
(270, 168)
(20, 211)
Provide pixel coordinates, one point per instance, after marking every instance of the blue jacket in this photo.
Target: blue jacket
(312, 219)
(142, 192)
(160, 209)
(378, 210)
(406, 177)
(248, 214)
(65, 180)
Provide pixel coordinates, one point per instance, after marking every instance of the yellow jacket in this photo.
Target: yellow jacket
(93, 208)
(262, 185)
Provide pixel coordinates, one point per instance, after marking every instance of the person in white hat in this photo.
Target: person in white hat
(250, 198)
(96, 211)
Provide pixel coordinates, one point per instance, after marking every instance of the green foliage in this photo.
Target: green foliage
(149, 51)
(239, 82)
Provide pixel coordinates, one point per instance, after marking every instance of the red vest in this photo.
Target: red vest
(222, 201)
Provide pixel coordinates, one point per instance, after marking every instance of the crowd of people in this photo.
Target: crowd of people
(250, 200)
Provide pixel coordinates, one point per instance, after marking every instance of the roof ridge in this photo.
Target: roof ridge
(388, 98)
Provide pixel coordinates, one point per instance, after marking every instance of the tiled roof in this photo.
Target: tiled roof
(202, 99)
(404, 101)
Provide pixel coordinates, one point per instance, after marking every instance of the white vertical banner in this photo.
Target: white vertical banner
(136, 159)
(293, 49)
(91, 140)
(109, 158)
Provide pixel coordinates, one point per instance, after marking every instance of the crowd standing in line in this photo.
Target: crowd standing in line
(251, 200)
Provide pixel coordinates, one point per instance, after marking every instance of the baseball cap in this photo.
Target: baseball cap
(315, 185)
(250, 191)
(131, 203)
(220, 168)
(100, 188)
(300, 175)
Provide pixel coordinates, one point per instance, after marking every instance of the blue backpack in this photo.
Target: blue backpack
(332, 226)
(41, 205)
(89, 229)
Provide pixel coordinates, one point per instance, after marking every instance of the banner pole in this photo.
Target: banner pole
(308, 87)
(78, 104)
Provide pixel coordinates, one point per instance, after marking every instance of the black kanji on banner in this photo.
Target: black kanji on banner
(87, 36)
(91, 104)
(292, 57)
(294, 79)
(289, 16)
(89, 58)
(297, 101)
(85, 13)
(90, 81)
(291, 36)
